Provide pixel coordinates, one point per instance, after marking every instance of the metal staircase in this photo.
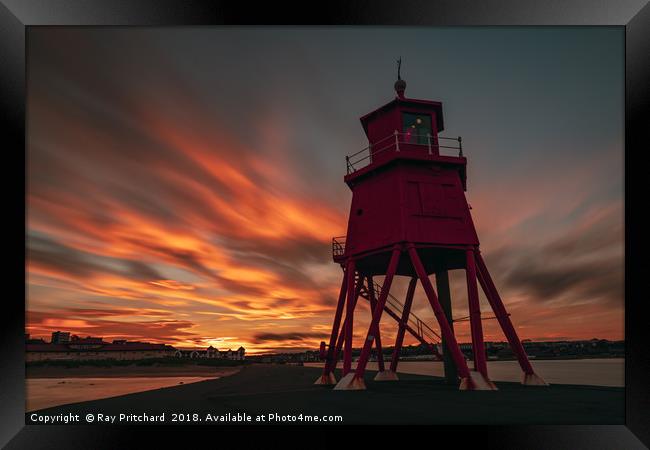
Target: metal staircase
(414, 325)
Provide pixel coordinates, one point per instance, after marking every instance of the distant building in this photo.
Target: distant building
(60, 337)
(187, 353)
(92, 348)
(241, 353)
(212, 353)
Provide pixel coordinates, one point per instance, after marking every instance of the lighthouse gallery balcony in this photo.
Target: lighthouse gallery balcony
(417, 146)
(400, 146)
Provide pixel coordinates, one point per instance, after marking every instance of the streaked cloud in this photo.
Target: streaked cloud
(176, 198)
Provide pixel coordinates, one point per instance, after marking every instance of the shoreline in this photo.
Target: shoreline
(530, 357)
(129, 371)
(587, 372)
(415, 399)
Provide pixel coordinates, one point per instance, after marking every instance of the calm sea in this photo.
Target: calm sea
(47, 392)
(594, 372)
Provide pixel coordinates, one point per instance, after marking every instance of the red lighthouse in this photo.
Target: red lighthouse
(409, 217)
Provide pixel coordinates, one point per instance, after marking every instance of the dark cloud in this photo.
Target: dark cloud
(111, 312)
(546, 280)
(286, 263)
(62, 258)
(600, 235)
(584, 264)
(167, 331)
(280, 302)
(187, 259)
(140, 271)
(291, 251)
(293, 336)
(53, 255)
(154, 203)
(289, 275)
(191, 261)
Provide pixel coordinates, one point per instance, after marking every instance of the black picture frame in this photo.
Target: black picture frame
(16, 16)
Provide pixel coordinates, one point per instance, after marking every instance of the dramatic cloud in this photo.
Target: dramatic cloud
(262, 337)
(66, 260)
(96, 323)
(184, 188)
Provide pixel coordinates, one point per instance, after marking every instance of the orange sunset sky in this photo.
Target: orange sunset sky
(183, 185)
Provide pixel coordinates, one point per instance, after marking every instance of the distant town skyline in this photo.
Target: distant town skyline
(60, 337)
(184, 184)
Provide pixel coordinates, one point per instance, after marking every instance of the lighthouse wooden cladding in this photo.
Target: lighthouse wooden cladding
(409, 217)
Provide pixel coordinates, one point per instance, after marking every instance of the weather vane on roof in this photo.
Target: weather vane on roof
(400, 85)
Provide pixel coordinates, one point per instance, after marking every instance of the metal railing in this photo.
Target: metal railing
(338, 246)
(392, 142)
(414, 321)
(392, 303)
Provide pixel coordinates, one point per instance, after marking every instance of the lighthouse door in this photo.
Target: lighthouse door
(436, 211)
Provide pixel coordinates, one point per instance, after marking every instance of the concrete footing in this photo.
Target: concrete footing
(476, 382)
(386, 375)
(350, 383)
(326, 380)
(532, 379)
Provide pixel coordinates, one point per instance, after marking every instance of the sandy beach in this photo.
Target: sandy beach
(54, 386)
(261, 389)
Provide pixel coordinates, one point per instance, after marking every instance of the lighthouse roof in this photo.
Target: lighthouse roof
(406, 103)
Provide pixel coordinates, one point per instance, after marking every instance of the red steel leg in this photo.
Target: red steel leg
(478, 347)
(349, 318)
(339, 342)
(376, 315)
(373, 303)
(402, 324)
(500, 312)
(450, 339)
(325, 379)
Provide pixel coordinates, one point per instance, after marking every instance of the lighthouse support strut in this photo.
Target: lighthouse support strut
(373, 303)
(341, 336)
(399, 340)
(478, 346)
(339, 342)
(530, 377)
(450, 339)
(328, 375)
(349, 316)
(354, 381)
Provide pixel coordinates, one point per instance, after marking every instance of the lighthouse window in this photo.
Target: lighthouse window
(416, 128)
